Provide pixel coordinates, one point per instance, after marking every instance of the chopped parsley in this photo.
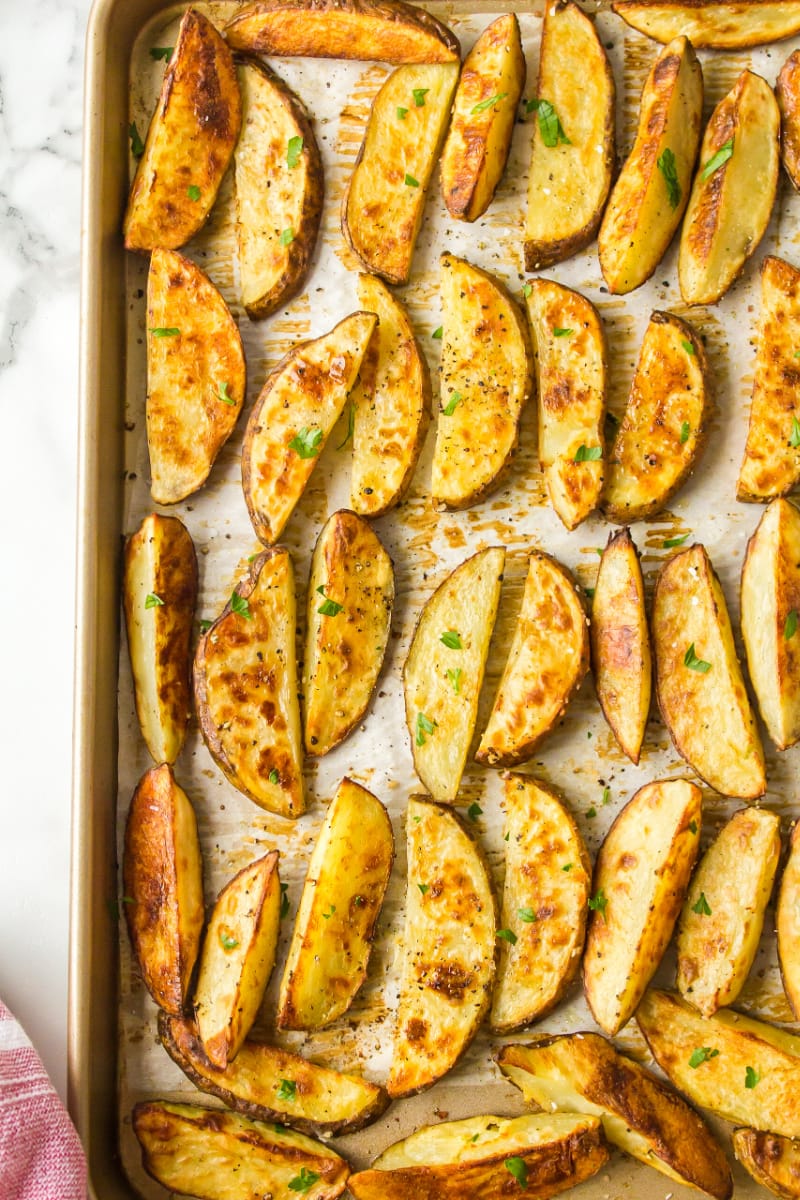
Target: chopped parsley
(790, 624)
(328, 608)
(287, 1089)
(224, 395)
(588, 454)
(550, 126)
(474, 811)
(560, 332)
(159, 52)
(437, 333)
(454, 676)
(137, 145)
(410, 181)
(164, 331)
(669, 543)
(307, 443)
(402, 113)
(193, 192)
(228, 942)
(667, 167)
(702, 907)
(274, 777)
(151, 600)
(686, 429)
(419, 96)
(490, 103)
(287, 236)
(240, 606)
(700, 1055)
(527, 915)
(304, 1181)
(719, 159)
(351, 425)
(294, 151)
(794, 439)
(452, 404)
(598, 902)
(424, 726)
(424, 887)
(205, 625)
(507, 935)
(516, 1167)
(751, 1077)
(451, 639)
(326, 916)
(688, 347)
(694, 663)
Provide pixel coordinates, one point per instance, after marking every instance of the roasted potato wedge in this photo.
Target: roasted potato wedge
(583, 1072)
(391, 405)
(733, 191)
(279, 191)
(350, 597)
(787, 922)
(348, 874)
(386, 30)
(195, 375)
(159, 592)
(652, 191)
(299, 405)
(208, 1153)
(245, 688)
(237, 959)
(189, 142)
(258, 1084)
(640, 880)
(771, 464)
(573, 139)
(162, 873)
(547, 883)
(482, 122)
(621, 658)
(384, 201)
(487, 378)
(481, 1156)
(548, 659)
(569, 348)
(701, 693)
(443, 673)
(712, 24)
(448, 949)
(740, 1068)
(787, 93)
(773, 1161)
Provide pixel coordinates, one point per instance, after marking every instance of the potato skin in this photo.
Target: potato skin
(787, 923)
(787, 93)
(712, 24)
(773, 1161)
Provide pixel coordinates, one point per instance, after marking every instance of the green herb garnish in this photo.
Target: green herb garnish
(490, 103)
(454, 675)
(424, 726)
(667, 167)
(588, 454)
(287, 237)
(151, 600)
(307, 443)
(158, 52)
(550, 126)
(410, 181)
(304, 1181)
(723, 154)
(507, 935)
(527, 915)
(694, 663)
(516, 1167)
(700, 1055)
(452, 404)
(240, 606)
(137, 145)
(669, 543)
(474, 811)
(790, 624)
(702, 907)
(287, 1089)
(294, 151)
(164, 331)
(451, 639)
(419, 96)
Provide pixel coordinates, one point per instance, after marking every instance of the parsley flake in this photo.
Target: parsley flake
(719, 159)
(688, 347)
(205, 625)
(164, 331)
(751, 1077)
(287, 1089)
(284, 900)
(598, 902)
(452, 404)
(419, 96)
(702, 907)
(307, 443)
(193, 192)
(686, 429)
(294, 151)
(516, 1167)
(151, 600)
(224, 395)
(159, 52)
(490, 103)
(592, 812)
(794, 440)
(228, 942)
(694, 663)
(567, 866)
(507, 935)
(527, 915)
(527, 290)
(451, 639)
(454, 676)
(700, 1055)
(437, 333)
(326, 916)
(693, 826)
(669, 543)
(790, 624)
(351, 425)
(304, 1181)
(559, 332)
(424, 726)
(240, 606)
(667, 167)
(550, 126)
(588, 454)
(287, 236)
(328, 608)
(474, 811)
(424, 887)
(402, 113)
(274, 777)
(410, 181)
(137, 145)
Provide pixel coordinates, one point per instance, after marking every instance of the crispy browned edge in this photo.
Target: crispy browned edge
(621, 7)
(757, 1152)
(787, 93)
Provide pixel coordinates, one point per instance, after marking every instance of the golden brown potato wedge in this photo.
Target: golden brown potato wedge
(740, 1068)
(547, 884)
(245, 688)
(583, 1072)
(652, 191)
(350, 596)
(162, 873)
(237, 959)
(712, 23)
(448, 949)
(386, 30)
(569, 348)
(621, 658)
(771, 464)
(391, 405)
(663, 431)
(189, 142)
(348, 874)
(270, 1084)
(773, 1161)
(548, 659)
(279, 191)
(299, 405)
(640, 880)
(787, 93)
(484, 1156)
(383, 204)
(487, 378)
(159, 592)
(723, 914)
(701, 693)
(733, 191)
(787, 922)
(482, 122)
(443, 673)
(208, 1153)
(573, 143)
(195, 375)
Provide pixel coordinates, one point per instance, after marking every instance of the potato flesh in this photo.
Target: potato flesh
(774, 1162)
(787, 923)
(712, 23)
(787, 93)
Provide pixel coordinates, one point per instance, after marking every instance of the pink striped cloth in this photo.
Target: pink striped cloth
(40, 1155)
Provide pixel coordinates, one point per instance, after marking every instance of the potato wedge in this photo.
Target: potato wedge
(723, 914)
(384, 201)
(299, 405)
(584, 1073)
(787, 922)
(547, 662)
(712, 24)
(448, 949)
(350, 597)
(771, 464)
(481, 1156)
(162, 873)
(245, 688)
(484, 111)
(258, 1084)
(569, 348)
(279, 191)
(652, 191)
(701, 693)
(386, 30)
(787, 93)
(189, 142)
(487, 378)
(773, 1161)
(740, 1068)
(391, 405)
(640, 880)
(733, 191)
(208, 1153)
(159, 592)
(443, 673)
(621, 657)
(237, 959)
(348, 874)
(547, 885)
(195, 375)
(573, 139)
